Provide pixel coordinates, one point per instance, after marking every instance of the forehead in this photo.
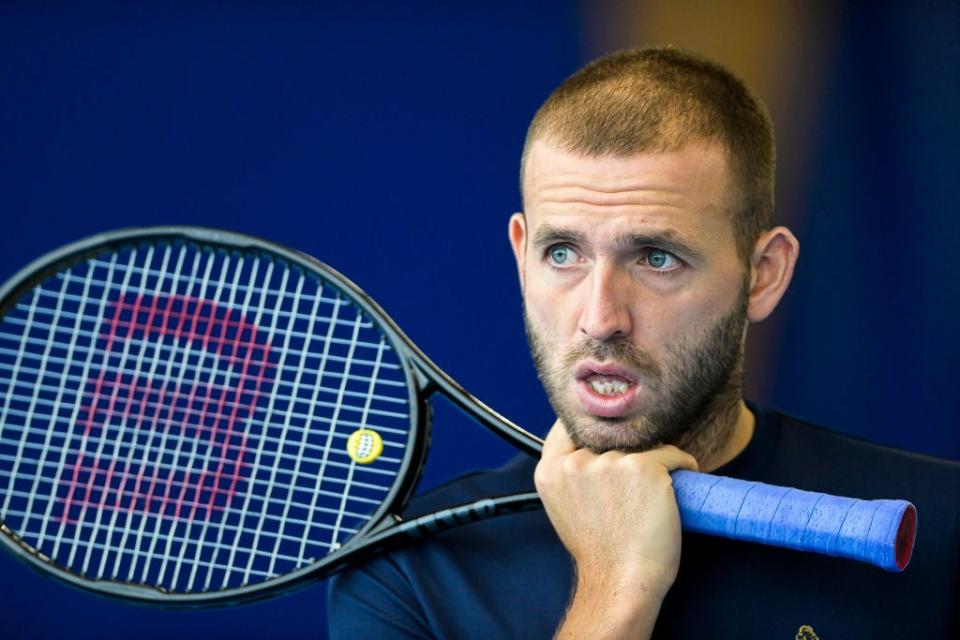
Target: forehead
(687, 192)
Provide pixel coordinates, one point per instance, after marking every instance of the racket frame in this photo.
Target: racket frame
(385, 525)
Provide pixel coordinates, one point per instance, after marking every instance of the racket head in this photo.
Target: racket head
(92, 486)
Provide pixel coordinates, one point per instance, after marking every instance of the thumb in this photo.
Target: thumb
(557, 442)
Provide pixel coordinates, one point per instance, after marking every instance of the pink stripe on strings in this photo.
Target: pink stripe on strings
(247, 349)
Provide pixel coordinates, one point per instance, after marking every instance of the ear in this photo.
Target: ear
(518, 240)
(771, 269)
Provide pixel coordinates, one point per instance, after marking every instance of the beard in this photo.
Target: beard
(695, 392)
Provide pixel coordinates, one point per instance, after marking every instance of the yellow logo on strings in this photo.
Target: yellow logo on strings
(364, 446)
(806, 632)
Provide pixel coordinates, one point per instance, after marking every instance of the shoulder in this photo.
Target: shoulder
(804, 446)
(469, 578)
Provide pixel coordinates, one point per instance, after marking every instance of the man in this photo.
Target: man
(645, 248)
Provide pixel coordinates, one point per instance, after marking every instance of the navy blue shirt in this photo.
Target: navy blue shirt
(510, 577)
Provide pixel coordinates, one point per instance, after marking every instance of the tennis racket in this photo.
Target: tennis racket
(195, 417)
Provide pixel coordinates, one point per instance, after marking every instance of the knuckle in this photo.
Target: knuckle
(541, 475)
(573, 463)
(639, 463)
(650, 471)
(667, 482)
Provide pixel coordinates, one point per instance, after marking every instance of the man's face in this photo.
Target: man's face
(635, 297)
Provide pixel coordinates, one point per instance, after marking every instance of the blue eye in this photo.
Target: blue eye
(562, 255)
(661, 260)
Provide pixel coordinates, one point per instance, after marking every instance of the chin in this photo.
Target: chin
(609, 434)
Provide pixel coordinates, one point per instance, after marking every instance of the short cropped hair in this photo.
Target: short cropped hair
(660, 100)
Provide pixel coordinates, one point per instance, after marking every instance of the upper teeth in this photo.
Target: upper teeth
(608, 388)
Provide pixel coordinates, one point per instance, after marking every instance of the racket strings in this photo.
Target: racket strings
(66, 315)
(275, 297)
(168, 417)
(29, 377)
(186, 413)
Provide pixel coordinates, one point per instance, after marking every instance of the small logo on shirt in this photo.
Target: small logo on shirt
(806, 632)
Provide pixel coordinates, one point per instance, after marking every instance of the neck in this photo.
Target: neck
(721, 436)
(740, 433)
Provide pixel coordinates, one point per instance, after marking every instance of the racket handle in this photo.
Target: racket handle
(880, 532)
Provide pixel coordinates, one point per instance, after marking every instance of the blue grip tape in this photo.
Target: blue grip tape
(879, 532)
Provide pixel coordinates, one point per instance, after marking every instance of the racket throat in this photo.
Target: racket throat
(447, 519)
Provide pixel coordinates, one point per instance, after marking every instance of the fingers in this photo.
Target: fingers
(672, 458)
(557, 442)
(615, 512)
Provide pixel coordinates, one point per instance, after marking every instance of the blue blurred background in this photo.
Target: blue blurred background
(384, 138)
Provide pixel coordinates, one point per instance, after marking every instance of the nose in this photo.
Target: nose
(606, 311)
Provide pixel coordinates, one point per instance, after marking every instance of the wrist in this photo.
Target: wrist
(611, 609)
(645, 583)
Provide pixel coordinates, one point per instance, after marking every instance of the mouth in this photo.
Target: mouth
(607, 386)
(606, 389)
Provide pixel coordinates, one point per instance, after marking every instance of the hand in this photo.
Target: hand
(617, 515)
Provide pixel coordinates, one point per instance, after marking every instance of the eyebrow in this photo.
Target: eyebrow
(547, 235)
(668, 240)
